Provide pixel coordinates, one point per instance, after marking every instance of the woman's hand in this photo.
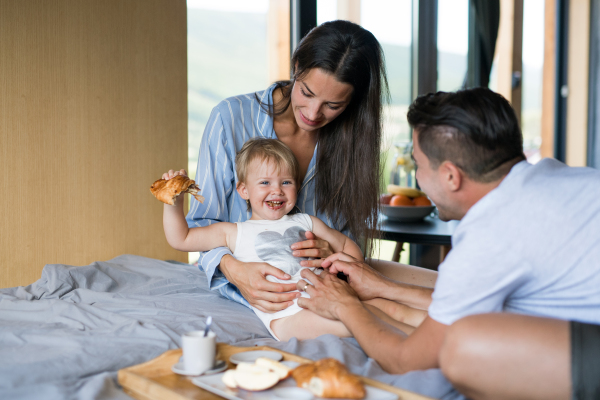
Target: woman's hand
(312, 247)
(172, 174)
(328, 294)
(250, 279)
(367, 282)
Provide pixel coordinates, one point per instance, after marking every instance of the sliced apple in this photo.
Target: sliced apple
(253, 368)
(282, 370)
(255, 382)
(229, 379)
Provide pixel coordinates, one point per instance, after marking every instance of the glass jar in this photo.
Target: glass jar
(403, 166)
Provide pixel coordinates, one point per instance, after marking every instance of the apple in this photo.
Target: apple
(385, 198)
(275, 366)
(261, 375)
(255, 382)
(229, 379)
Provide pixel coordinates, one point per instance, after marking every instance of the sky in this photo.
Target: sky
(393, 26)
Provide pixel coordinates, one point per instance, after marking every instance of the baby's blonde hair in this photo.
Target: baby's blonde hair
(266, 150)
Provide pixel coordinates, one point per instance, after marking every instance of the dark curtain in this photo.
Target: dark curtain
(484, 20)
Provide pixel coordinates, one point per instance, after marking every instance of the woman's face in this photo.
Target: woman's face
(318, 99)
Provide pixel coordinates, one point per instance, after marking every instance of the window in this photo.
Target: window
(392, 29)
(234, 47)
(530, 77)
(391, 23)
(452, 43)
(533, 61)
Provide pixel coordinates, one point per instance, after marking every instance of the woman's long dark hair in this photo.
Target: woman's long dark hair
(349, 173)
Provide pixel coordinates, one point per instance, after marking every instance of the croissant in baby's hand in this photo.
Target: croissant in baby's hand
(329, 378)
(168, 190)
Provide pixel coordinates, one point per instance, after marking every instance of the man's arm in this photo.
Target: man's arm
(333, 298)
(369, 284)
(390, 347)
(508, 356)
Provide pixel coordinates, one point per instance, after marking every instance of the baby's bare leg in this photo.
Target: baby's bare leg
(307, 325)
(399, 312)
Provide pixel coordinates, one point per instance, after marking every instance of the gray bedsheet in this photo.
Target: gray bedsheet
(66, 335)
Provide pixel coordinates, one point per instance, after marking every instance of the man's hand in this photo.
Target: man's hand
(313, 247)
(250, 279)
(333, 298)
(365, 281)
(328, 294)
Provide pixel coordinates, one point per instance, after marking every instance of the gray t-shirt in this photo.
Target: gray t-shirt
(530, 246)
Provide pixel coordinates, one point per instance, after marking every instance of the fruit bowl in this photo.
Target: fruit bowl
(406, 214)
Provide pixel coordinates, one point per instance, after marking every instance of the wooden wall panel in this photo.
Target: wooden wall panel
(578, 82)
(349, 10)
(549, 79)
(509, 52)
(93, 108)
(278, 39)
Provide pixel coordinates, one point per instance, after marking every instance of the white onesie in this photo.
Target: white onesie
(269, 241)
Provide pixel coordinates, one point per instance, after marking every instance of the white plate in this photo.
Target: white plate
(214, 384)
(295, 393)
(251, 356)
(220, 366)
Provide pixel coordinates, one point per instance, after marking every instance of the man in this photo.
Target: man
(528, 241)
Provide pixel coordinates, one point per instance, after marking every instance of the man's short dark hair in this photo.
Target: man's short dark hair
(475, 129)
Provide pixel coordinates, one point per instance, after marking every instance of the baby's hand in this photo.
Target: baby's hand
(172, 174)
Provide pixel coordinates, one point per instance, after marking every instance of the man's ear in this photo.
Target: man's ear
(451, 175)
(242, 190)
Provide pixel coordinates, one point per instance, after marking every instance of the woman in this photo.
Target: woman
(329, 114)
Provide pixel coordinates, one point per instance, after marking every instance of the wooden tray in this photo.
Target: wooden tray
(154, 379)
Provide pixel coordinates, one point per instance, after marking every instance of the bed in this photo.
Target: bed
(66, 335)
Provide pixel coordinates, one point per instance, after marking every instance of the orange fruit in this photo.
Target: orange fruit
(401, 200)
(422, 201)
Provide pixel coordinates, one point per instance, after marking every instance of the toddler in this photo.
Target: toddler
(268, 176)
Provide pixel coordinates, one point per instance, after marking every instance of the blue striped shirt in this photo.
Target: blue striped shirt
(233, 122)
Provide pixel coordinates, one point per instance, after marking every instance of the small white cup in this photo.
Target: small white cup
(198, 351)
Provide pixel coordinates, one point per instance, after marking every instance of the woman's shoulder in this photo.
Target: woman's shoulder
(245, 115)
(251, 99)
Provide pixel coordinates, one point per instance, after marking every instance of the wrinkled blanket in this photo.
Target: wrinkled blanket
(66, 335)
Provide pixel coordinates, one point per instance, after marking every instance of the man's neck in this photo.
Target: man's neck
(475, 191)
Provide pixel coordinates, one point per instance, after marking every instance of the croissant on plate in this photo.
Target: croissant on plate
(168, 190)
(329, 378)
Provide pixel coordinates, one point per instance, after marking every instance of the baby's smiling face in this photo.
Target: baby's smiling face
(271, 189)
